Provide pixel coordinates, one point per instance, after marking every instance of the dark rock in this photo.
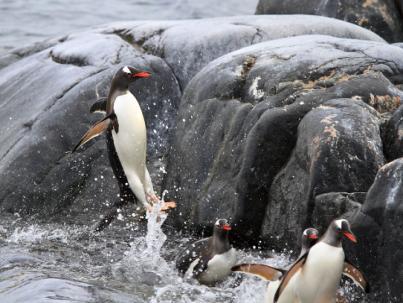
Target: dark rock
(237, 127)
(45, 100)
(47, 88)
(393, 135)
(329, 206)
(379, 226)
(339, 149)
(187, 46)
(384, 17)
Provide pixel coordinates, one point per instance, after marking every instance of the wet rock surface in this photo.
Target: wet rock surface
(378, 225)
(239, 119)
(383, 17)
(46, 90)
(274, 133)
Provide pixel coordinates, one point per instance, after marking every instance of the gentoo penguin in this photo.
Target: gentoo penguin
(209, 260)
(266, 272)
(126, 142)
(316, 275)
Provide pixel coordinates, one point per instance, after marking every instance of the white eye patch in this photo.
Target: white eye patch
(339, 222)
(126, 70)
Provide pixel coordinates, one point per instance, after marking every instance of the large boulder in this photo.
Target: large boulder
(238, 126)
(384, 17)
(379, 226)
(187, 46)
(339, 149)
(47, 88)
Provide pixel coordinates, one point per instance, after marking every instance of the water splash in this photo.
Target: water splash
(36, 234)
(155, 237)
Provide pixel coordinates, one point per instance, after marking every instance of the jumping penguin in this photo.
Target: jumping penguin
(209, 260)
(316, 275)
(126, 138)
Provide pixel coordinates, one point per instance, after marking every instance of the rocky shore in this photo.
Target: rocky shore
(277, 122)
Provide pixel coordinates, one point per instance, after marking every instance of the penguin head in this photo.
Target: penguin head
(127, 74)
(222, 227)
(342, 228)
(309, 237)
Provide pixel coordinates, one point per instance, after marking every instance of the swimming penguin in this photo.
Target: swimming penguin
(126, 142)
(209, 260)
(316, 275)
(269, 273)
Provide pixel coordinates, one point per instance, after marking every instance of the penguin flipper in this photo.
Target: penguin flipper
(356, 275)
(296, 267)
(96, 130)
(263, 271)
(99, 106)
(189, 255)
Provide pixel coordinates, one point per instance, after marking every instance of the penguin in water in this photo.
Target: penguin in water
(316, 275)
(126, 138)
(275, 275)
(272, 274)
(209, 260)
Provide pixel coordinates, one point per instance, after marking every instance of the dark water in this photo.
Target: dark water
(128, 263)
(26, 21)
(58, 263)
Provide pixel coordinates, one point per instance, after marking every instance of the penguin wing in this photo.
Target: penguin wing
(356, 275)
(289, 274)
(202, 265)
(99, 106)
(263, 271)
(189, 255)
(97, 129)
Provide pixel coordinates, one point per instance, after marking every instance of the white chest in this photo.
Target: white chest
(219, 267)
(321, 274)
(131, 139)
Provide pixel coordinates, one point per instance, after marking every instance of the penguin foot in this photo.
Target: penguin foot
(168, 205)
(154, 199)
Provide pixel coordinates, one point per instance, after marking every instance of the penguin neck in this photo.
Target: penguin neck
(304, 249)
(119, 84)
(220, 241)
(332, 238)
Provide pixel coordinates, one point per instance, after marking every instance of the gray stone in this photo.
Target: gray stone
(339, 149)
(384, 17)
(187, 46)
(239, 116)
(47, 88)
(45, 99)
(378, 226)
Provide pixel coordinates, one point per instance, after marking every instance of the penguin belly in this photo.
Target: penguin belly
(218, 268)
(131, 142)
(321, 274)
(288, 295)
(271, 291)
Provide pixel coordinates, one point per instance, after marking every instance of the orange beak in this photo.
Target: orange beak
(142, 75)
(227, 227)
(350, 236)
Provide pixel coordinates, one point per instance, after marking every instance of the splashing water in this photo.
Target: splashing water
(61, 263)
